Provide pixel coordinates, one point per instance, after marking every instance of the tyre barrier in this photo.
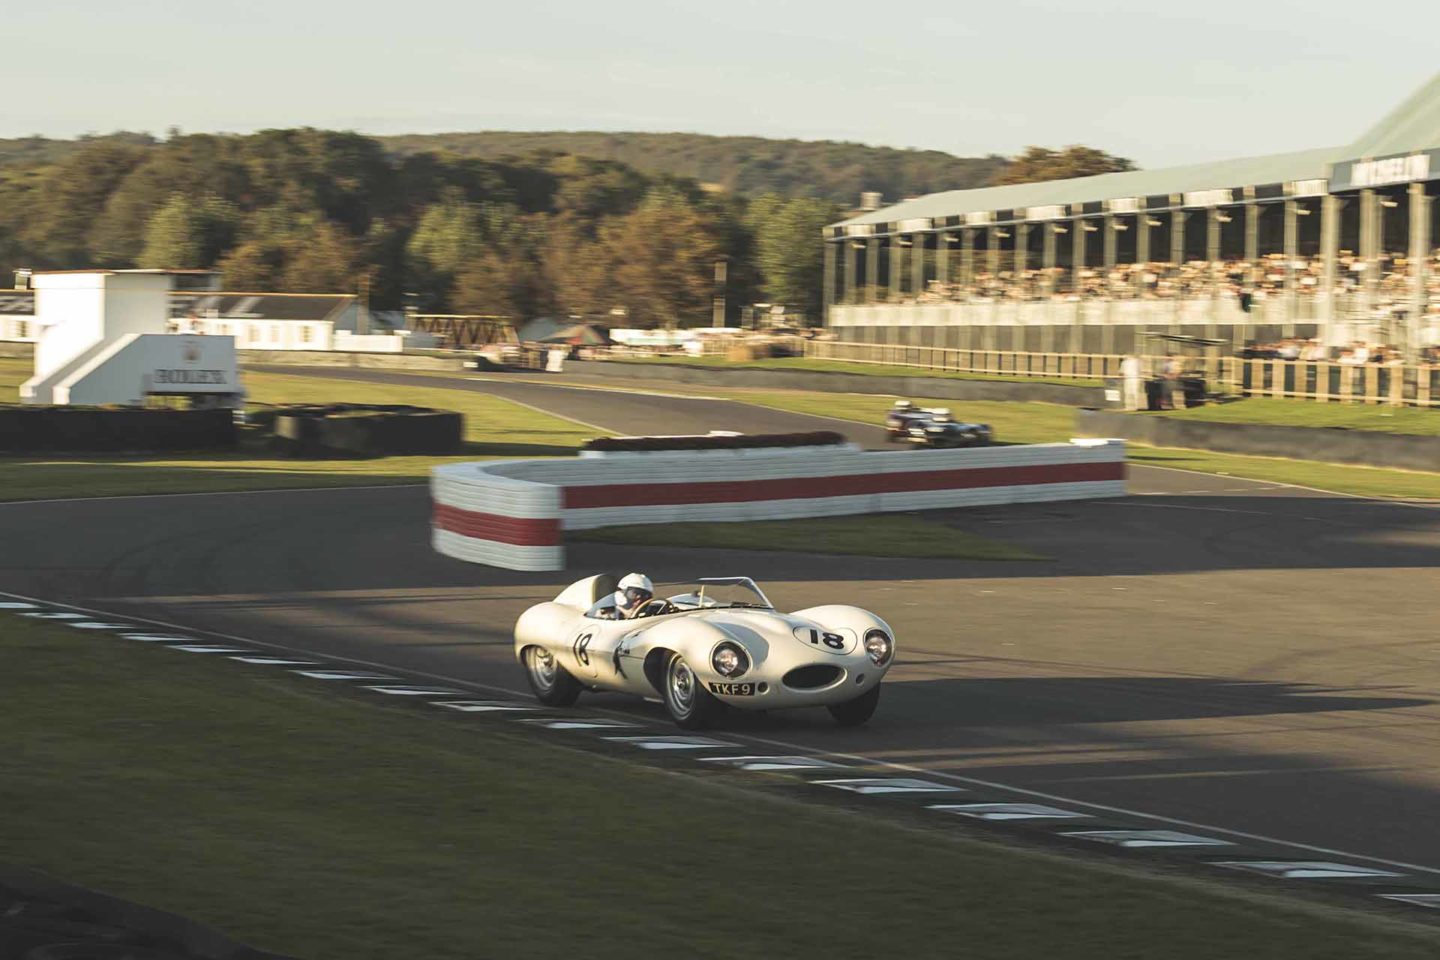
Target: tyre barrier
(366, 430)
(513, 514)
(79, 429)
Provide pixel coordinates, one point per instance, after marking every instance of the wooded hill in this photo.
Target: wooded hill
(748, 166)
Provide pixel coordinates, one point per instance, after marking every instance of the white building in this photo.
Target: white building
(257, 321)
(101, 338)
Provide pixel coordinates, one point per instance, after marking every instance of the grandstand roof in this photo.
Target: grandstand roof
(1248, 171)
(1414, 125)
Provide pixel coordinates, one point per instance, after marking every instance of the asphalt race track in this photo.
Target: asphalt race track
(1240, 655)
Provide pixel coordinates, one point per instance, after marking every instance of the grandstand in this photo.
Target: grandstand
(1333, 244)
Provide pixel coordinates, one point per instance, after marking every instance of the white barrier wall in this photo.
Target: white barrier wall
(513, 514)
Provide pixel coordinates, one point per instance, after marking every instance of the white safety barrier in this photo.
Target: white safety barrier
(513, 513)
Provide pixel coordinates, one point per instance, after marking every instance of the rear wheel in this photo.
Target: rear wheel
(553, 685)
(852, 713)
(691, 706)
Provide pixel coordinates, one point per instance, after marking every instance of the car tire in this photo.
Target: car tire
(852, 713)
(551, 683)
(689, 704)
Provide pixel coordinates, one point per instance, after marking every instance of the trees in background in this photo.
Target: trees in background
(788, 253)
(548, 233)
(1042, 163)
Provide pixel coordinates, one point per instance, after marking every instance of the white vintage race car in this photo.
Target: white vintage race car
(713, 643)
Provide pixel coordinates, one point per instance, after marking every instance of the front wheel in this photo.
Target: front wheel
(691, 706)
(552, 684)
(852, 713)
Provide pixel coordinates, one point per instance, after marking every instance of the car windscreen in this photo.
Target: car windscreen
(694, 596)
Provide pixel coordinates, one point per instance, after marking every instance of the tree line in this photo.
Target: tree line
(322, 211)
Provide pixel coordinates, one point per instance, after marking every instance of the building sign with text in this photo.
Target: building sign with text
(1385, 171)
(178, 363)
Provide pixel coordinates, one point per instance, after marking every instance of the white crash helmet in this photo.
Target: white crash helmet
(634, 590)
(904, 404)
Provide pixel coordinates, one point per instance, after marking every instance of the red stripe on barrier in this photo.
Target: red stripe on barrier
(518, 531)
(809, 488)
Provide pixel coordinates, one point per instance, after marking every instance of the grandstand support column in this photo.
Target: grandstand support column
(1077, 253)
(848, 262)
(1330, 254)
(1143, 223)
(1212, 255)
(872, 269)
(849, 266)
(992, 251)
(1419, 267)
(1368, 257)
(1292, 250)
(917, 264)
(942, 257)
(1177, 256)
(967, 256)
(827, 293)
(1252, 264)
(1047, 260)
(1107, 331)
(897, 267)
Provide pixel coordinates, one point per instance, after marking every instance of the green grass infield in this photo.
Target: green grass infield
(326, 823)
(493, 428)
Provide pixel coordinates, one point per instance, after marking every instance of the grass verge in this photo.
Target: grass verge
(493, 428)
(325, 825)
(844, 366)
(881, 535)
(1049, 423)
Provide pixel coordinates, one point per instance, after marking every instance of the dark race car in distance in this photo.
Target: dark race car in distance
(934, 427)
(902, 416)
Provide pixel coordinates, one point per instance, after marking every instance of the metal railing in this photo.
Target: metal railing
(1076, 366)
(1324, 381)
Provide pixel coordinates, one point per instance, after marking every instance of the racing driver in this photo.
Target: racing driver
(633, 593)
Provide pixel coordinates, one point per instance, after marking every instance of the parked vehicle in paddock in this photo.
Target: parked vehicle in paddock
(714, 643)
(939, 429)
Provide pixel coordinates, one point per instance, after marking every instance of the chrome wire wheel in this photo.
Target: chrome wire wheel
(542, 666)
(681, 683)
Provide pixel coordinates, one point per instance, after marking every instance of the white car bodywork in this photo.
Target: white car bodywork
(809, 658)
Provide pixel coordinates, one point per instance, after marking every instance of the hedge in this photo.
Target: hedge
(820, 438)
(364, 430)
(75, 429)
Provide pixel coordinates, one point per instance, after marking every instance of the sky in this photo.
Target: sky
(1160, 82)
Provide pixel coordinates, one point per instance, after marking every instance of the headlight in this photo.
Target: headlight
(729, 660)
(878, 646)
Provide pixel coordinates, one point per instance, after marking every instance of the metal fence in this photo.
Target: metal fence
(1078, 366)
(1323, 381)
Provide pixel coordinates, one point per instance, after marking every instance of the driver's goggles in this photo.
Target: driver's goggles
(636, 594)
